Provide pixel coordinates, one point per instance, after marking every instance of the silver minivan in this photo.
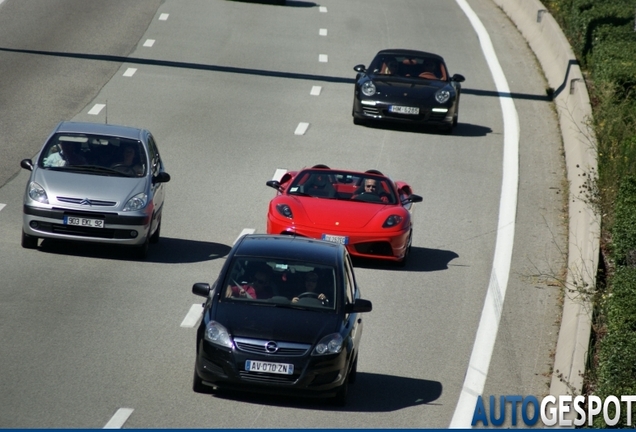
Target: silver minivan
(96, 183)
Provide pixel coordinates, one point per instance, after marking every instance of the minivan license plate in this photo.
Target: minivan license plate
(277, 368)
(79, 221)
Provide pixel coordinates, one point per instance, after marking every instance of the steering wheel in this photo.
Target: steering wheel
(126, 169)
(368, 197)
(308, 294)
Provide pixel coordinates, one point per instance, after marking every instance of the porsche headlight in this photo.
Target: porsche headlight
(442, 96)
(137, 202)
(37, 193)
(392, 221)
(284, 210)
(368, 88)
(330, 344)
(217, 334)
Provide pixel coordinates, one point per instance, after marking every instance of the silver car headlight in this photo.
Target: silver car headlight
(442, 96)
(37, 193)
(368, 88)
(217, 334)
(137, 202)
(330, 344)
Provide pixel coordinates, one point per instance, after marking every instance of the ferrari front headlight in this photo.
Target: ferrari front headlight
(392, 221)
(284, 210)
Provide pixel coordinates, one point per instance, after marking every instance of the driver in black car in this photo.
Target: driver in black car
(311, 285)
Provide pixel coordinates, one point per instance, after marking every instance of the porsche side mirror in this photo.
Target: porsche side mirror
(458, 78)
(360, 68)
(273, 184)
(27, 164)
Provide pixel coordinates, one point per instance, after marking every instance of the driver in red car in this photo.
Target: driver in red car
(371, 187)
(311, 285)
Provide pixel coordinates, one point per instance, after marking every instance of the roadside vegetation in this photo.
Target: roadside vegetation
(603, 36)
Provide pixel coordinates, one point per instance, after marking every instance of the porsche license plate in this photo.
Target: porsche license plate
(336, 239)
(85, 222)
(404, 109)
(277, 368)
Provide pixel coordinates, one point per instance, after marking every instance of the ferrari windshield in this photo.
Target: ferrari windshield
(342, 185)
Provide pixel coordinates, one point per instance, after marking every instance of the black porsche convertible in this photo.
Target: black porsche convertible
(407, 86)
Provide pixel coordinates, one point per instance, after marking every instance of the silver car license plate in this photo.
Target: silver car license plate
(85, 222)
(269, 367)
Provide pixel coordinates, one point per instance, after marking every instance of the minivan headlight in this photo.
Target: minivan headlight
(217, 334)
(137, 202)
(330, 344)
(37, 193)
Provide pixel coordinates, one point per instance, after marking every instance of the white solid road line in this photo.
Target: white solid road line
(130, 72)
(192, 317)
(301, 128)
(477, 373)
(120, 417)
(163, 16)
(149, 42)
(97, 108)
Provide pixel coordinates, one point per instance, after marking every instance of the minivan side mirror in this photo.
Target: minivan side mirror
(201, 289)
(360, 305)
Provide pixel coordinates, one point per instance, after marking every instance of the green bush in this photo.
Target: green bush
(616, 370)
(624, 229)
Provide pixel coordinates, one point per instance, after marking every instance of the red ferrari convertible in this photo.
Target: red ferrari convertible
(365, 211)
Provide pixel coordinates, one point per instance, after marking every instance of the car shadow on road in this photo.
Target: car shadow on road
(370, 393)
(461, 130)
(420, 259)
(168, 250)
(289, 3)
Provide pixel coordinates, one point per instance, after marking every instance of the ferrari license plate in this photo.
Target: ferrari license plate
(79, 221)
(404, 109)
(277, 368)
(336, 239)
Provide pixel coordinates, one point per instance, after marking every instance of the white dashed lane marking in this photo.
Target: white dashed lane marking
(301, 128)
(2, 206)
(163, 16)
(323, 9)
(149, 42)
(130, 72)
(323, 58)
(279, 174)
(120, 417)
(192, 317)
(322, 32)
(315, 90)
(97, 108)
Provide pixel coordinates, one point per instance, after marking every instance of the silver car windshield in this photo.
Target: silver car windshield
(93, 154)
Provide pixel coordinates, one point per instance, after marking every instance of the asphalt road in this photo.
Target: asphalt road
(87, 330)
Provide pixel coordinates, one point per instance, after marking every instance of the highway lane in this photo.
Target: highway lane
(224, 99)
